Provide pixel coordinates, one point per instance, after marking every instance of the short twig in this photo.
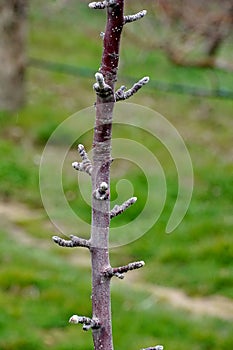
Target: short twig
(85, 165)
(73, 242)
(102, 192)
(101, 88)
(134, 17)
(119, 271)
(101, 5)
(119, 209)
(87, 322)
(121, 94)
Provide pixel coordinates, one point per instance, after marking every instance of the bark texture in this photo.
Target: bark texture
(102, 337)
(12, 53)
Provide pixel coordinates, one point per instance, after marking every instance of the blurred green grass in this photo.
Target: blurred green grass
(40, 290)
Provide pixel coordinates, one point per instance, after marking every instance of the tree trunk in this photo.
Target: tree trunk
(12, 53)
(102, 337)
(99, 170)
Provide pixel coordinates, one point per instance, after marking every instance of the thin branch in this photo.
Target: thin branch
(101, 88)
(97, 5)
(85, 165)
(119, 271)
(87, 322)
(101, 5)
(135, 17)
(157, 347)
(73, 242)
(119, 209)
(121, 94)
(102, 192)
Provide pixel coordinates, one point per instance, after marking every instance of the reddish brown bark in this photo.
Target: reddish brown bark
(101, 304)
(110, 58)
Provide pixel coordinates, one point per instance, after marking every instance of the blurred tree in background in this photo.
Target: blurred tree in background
(192, 33)
(198, 25)
(12, 53)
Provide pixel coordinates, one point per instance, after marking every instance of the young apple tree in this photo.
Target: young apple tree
(99, 171)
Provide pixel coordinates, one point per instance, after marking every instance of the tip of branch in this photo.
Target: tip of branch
(141, 263)
(75, 164)
(103, 186)
(100, 87)
(100, 5)
(99, 77)
(119, 209)
(97, 5)
(146, 79)
(74, 319)
(80, 147)
(121, 94)
(91, 5)
(135, 17)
